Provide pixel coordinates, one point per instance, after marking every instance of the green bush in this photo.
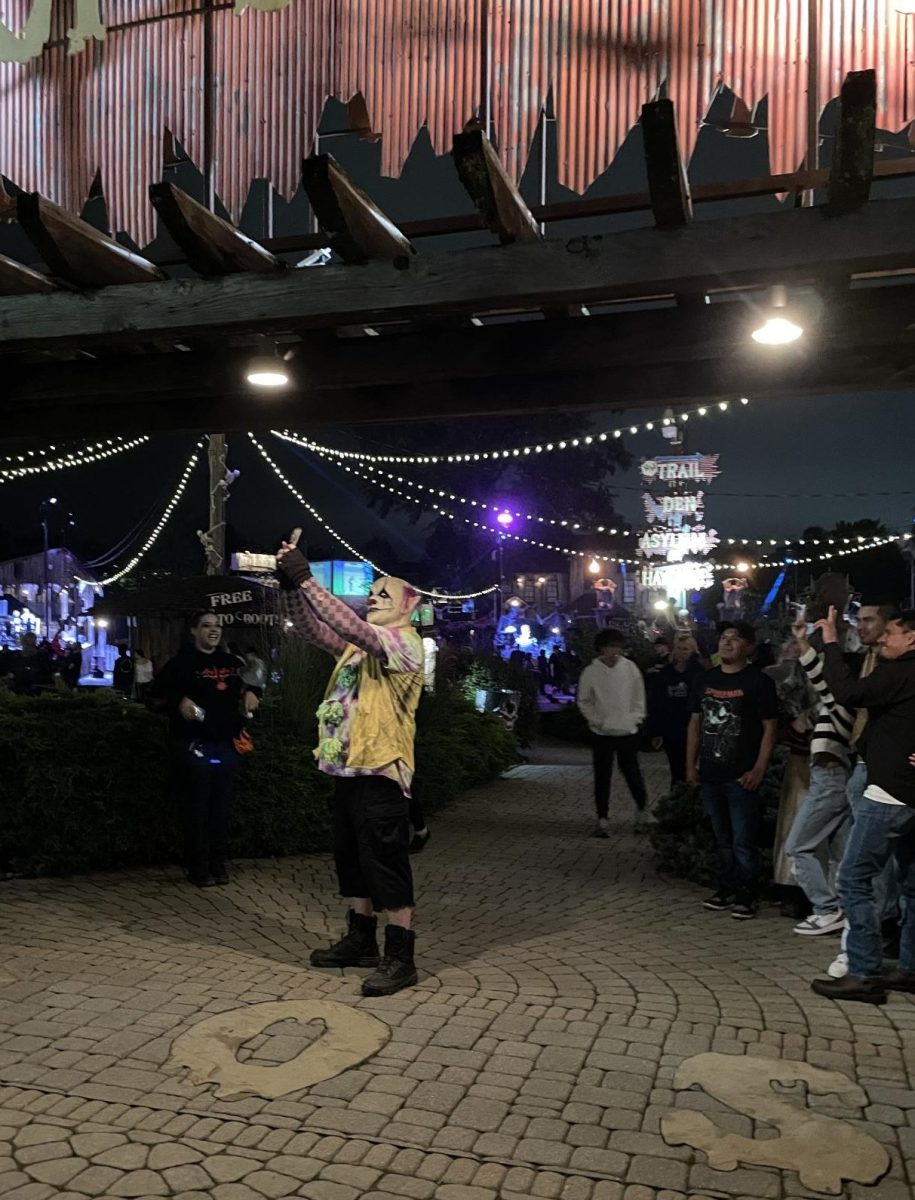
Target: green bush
(457, 747)
(681, 836)
(490, 672)
(87, 783)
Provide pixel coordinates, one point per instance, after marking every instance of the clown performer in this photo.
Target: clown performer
(366, 731)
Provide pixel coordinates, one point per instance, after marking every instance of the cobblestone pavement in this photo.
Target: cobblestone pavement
(563, 983)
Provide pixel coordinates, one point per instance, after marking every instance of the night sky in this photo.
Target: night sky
(839, 445)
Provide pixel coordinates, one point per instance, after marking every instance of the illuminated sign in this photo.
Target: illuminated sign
(674, 578)
(676, 544)
(668, 468)
(672, 509)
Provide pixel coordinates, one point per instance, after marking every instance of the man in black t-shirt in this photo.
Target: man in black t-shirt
(731, 736)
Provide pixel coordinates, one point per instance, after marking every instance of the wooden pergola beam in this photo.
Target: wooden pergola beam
(800, 245)
(852, 170)
(645, 385)
(668, 186)
(626, 359)
(19, 280)
(212, 246)
(357, 228)
(76, 251)
(491, 189)
(869, 318)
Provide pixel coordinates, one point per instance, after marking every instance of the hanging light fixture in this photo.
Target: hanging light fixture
(267, 369)
(778, 329)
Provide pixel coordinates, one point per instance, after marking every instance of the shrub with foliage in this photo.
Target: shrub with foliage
(681, 835)
(87, 784)
(489, 672)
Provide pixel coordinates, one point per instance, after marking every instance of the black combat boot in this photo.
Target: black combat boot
(396, 969)
(357, 948)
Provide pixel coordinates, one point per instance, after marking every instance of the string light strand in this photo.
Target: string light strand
(290, 486)
(157, 528)
(533, 450)
(854, 542)
(854, 546)
(78, 458)
(502, 533)
(444, 495)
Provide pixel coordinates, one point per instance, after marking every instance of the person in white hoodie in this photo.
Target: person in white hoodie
(611, 697)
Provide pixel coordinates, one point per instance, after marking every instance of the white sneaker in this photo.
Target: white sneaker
(826, 923)
(838, 968)
(602, 829)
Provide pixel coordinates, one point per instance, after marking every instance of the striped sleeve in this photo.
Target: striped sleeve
(832, 733)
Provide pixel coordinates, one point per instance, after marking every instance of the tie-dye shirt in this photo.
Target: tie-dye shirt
(403, 654)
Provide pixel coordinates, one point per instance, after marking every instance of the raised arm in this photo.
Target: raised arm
(307, 625)
(337, 617)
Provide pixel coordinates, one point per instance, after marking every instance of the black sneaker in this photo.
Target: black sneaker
(202, 881)
(720, 902)
(220, 874)
(744, 908)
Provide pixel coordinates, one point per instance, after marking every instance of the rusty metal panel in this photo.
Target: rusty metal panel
(415, 63)
(243, 94)
(271, 76)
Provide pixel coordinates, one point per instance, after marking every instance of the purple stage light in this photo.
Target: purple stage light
(505, 519)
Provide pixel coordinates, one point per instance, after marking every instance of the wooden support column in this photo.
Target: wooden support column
(358, 230)
(214, 539)
(852, 168)
(668, 186)
(489, 186)
(76, 251)
(19, 280)
(212, 245)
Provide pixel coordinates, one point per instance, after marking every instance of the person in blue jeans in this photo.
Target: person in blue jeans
(884, 824)
(732, 732)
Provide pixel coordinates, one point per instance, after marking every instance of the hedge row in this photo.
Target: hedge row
(86, 781)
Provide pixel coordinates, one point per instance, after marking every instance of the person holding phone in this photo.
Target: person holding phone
(206, 699)
(884, 825)
(367, 725)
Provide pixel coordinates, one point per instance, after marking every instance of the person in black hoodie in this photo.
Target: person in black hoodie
(884, 823)
(206, 699)
(669, 690)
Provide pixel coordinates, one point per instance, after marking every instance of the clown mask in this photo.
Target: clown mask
(391, 602)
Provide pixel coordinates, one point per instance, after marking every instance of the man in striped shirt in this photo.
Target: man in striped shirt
(823, 821)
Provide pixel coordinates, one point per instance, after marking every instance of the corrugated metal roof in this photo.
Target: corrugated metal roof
(63, 117)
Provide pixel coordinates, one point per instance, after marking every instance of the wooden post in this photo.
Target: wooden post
(668, 186)
(214, 540)
(852, 168)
